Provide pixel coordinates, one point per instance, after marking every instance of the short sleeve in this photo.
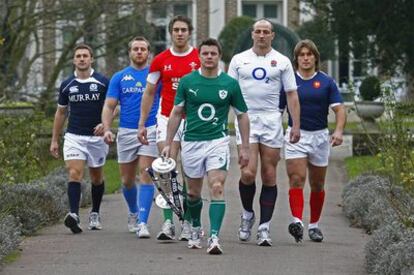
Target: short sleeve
(114, 86)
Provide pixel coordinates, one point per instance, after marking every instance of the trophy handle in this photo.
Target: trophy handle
(176, 206)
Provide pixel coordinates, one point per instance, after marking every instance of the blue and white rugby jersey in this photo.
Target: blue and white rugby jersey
(85, 99)
(128, 86)
(316, 95)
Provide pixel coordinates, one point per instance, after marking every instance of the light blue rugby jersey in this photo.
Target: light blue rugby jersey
(316, 95)
(127, 86)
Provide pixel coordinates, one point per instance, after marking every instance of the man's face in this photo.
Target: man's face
(209, 57)
(306, 59)
(82, 60)
(138, 54)
(180, 34)
(262, 34)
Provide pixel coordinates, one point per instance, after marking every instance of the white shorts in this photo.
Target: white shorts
(199, 157)
(93, 149)
(265, 128)
(129, 147)
(313, 145)
(162, 129)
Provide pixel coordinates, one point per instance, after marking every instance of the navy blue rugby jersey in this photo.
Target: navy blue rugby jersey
(316, 95)
(85, 99)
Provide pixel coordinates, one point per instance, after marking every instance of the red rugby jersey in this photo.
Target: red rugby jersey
(172, 66)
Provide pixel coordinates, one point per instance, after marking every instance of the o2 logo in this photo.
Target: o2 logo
(209, 108)
(260, 73)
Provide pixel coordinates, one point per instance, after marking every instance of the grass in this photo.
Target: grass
(358, 165)
(12, 256)
(112, 176)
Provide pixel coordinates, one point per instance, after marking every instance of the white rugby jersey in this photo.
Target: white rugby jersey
(261, 78)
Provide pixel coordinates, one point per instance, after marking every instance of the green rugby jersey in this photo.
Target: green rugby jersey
(206, 104)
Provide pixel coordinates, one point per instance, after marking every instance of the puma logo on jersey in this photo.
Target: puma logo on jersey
(127, 78)
(193, 91)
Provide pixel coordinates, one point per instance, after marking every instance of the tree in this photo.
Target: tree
(230, 34)
(381, 31)
(30, 31)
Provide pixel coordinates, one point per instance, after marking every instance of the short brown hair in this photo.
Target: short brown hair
(210, 42)
(181, 18)
(306, 43)
(139, 38)
(83, 46)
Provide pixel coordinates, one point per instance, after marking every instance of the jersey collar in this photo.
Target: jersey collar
(181, 54)
(218, 73)
(306, 78)
(76, 75)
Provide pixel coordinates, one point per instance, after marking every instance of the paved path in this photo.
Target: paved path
(115, 251)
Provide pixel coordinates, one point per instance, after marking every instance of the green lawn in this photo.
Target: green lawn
(358, 165)
(112, 177)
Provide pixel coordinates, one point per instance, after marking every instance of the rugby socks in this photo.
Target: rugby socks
(216, 214)
(316, 203)
(296, 203)
(130, 196)
(194, 208)
(74, 194)
(146, 194)
(247, 193)
(187, 216)
(168, 214)
(97, 194)
(267, 202)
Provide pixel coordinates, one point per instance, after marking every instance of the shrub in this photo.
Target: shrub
(370, 88)
(23, 148)
(10, 234)
(25, 207)
(230, 34)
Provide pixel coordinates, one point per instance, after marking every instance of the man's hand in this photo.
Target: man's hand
(243, 157)
(294, 135)
(142, 135)
(166, 151)
(98, 130)
(336, 138)
(109, 137)
(54, 149)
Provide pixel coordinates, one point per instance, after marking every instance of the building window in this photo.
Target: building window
(270, 11)
(263, 9)
(250, 10)
(180, 9)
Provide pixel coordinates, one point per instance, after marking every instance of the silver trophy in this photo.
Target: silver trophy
(164, 175)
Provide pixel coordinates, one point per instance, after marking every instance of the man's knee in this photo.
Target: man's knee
(296, 180)
(269, 176)
(248, 176)
(75, 174)
(217, 191)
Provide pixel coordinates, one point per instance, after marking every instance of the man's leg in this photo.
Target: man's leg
(317, 197)
(129, 189)
(194, 207)
(75, 169)
(296, 170)
(247, 191)
(97, 191)
(146, 195)
(269, 157)
(216, 179)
